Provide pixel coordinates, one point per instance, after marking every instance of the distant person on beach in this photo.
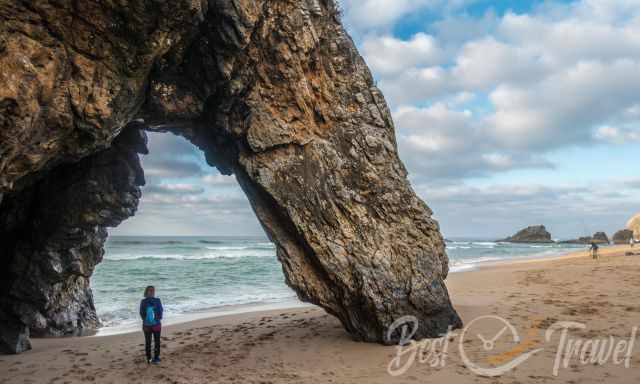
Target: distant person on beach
(594, 251)
(151, 314)
(631, 242)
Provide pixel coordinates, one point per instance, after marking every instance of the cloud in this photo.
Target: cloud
(565, 107)
(559, 77)
(616, 135)
(438, 142)
(633, 183)
(498, 210)
(217, 179)
(173, 189)
(192, 215)
(363, 15)
(390, 55)
(171, 157)
(184, 196)
(174, 168)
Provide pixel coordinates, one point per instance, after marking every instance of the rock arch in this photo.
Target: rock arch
(273, 92)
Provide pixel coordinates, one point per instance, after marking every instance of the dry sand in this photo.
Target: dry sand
(308, 346)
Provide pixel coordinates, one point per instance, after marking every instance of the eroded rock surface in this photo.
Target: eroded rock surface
(53, 235)
(273, 92)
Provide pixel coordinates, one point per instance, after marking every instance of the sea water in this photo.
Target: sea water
(198, 275)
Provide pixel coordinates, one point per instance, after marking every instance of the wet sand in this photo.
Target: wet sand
(305, 345)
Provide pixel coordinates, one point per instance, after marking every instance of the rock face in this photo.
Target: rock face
(273, 92)
(623, 236)
(532, 234)
(55, 231)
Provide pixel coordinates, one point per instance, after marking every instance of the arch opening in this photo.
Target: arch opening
(194, 237)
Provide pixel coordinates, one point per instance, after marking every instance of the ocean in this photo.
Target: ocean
(198, 276)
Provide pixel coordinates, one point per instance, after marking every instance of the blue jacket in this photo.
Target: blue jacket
(157, 308)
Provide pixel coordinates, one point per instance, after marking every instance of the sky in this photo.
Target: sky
(508, 114)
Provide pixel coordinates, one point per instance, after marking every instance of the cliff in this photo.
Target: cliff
(273, 92)
(532, 234)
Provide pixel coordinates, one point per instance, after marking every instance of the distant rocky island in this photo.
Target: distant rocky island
(532, 234)
(598, 238)
(539, 234)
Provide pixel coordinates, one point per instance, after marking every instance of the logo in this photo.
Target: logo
(506, 360)
(491, 346)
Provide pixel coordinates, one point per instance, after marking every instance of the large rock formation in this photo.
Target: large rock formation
(272, 91)
(597, 238)
(623, 236)
(600, 238)
(532, 234)
(54, 232)
(634, 225)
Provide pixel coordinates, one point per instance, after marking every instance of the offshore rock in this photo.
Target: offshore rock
(597, 238)
(600, 238)
(272, 91)
(532, 234)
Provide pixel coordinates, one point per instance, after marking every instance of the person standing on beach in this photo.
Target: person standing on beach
(151, 314)
(594, 251)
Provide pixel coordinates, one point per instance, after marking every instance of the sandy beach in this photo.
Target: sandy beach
(305, 345)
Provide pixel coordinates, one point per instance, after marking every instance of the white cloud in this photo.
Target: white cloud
(498, 210)
(390, 55)
(616, 135)
(438, 142)
(535, 83)
(174, 189)
(363, 15)
(565, 107)
(217, 179)
(481, 64)
(171, 156)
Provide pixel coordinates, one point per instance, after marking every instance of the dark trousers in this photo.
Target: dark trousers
(147, 342)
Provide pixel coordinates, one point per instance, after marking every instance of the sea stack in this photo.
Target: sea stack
(532, 234)
(600, 238)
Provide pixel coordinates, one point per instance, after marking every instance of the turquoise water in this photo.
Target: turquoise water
(191, 274)
(203, 274)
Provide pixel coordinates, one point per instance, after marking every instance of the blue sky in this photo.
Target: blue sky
(508, 113)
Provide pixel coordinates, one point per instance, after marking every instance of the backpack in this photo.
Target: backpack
(150, 319)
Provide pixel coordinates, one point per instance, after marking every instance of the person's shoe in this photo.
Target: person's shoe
(149, 361)
(156, 360)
